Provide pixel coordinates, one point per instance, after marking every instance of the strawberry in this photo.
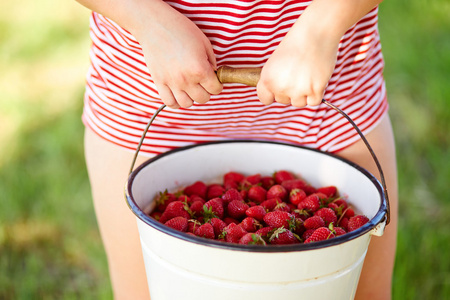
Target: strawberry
(339, 231)
(178, 223)
(283, 175)
(282, 236)
(214, 191)
(291, 184)
(257, 193)
(252, 239)
(251, 180)
(314, 222)
(348, 213)
(175, 209)
(270, 204)
(206, 230)
(196, 208)
(163, 199)
(265, 232)
(213, 208)
(277, 219)
(156, 215)
(329, 191)
(341, 202)
(356, 222)
(233, 177)
(250, 224)
(230, 185)
(277, 191)
(267, 182)
(311, 203)
(283, 206)
(233, 233)
(320, 234)
(343, 223)
(258, 212)
(307, 233)
(231, 194)
(229, 220)
(327, 214)
(198, 188)
(296, 196)
(193, 225)
(218, 226)
(236, 209)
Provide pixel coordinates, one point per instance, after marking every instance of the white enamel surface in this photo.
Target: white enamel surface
(204, 272)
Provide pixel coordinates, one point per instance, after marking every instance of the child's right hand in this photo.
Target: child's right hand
(180, 58)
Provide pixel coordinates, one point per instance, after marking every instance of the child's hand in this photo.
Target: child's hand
(180, 59)
(298, 71)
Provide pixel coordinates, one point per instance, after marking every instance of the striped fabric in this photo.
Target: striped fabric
(121, 96)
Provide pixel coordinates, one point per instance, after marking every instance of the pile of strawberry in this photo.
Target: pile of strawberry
(256, 209)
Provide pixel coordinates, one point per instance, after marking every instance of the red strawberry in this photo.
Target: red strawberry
(282, 236)
(270, 204)
(307, 233)
(233, 177)
(348, 213)
(178, 223)
(214, 207)
(197, 208)
(198, 188)
(251, 180)
(291, 184)
(218, 226)
(320, 234)
(277, 191)
(233, 233)
(215, 191)
(283, 206)
(236, 209)
(163, 199)
(296, 196)
(250, 225)
(356, 222)
(230, 185)
(231, 194)
(314, 222)
(258, 212)
(175, 209)
(257, 193)
(156, 215)
(311, 203)
(229, 220)
(341, 202)
(343, 223)
(267, 182)
(252, 239)
(339, 231)
(206, 230)
(265, 232)
(329, 191)
(193, 225)
(283, 175)
(327, 214)
(278, 219)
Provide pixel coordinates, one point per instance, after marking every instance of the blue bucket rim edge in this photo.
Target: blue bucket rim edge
(379, 217)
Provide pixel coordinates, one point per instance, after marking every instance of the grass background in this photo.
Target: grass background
(50, 247)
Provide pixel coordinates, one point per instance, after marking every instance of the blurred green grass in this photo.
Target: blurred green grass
(50, 247)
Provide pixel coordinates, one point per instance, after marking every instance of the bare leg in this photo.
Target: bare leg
(376, 277)
(108, 167)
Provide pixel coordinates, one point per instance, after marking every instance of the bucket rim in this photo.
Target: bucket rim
(378, 218)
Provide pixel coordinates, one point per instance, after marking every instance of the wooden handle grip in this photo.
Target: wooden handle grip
(247, 76)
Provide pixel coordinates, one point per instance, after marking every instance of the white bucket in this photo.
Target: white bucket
(181, 266)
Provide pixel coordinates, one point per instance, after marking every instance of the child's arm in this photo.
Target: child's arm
(298, 71)
(179, 56)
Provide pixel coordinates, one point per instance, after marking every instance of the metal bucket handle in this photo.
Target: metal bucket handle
(250, 77)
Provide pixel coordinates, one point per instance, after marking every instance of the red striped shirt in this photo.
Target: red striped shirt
(121, 96)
